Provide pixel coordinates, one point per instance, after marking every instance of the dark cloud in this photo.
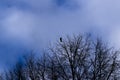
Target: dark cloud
(61, 2)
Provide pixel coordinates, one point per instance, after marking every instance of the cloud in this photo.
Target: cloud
(56, 17)
(105, 16)
(100, 15)
(36, 23)
(30, 27)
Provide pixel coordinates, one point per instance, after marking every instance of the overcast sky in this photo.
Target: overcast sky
(34, 24)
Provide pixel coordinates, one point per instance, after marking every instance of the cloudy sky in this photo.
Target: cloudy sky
(34, 24)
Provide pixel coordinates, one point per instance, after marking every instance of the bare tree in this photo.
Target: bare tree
(30, 66)
(1, 76)
(104, 62)
(72, 58)
(42, 66)
(16, 73)
(82, 58)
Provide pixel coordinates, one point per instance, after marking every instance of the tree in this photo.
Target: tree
(30, 67)
(1, 76)
(104, 62)
(81, 58)
(42, 66)
(74, 58)
(16, 73)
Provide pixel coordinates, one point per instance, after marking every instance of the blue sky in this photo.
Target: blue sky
(34, 24)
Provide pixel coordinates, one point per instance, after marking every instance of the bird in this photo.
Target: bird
(60, 39)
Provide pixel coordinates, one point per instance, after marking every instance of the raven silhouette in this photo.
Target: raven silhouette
(60, 39)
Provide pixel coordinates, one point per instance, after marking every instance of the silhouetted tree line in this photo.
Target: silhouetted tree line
(72, 58)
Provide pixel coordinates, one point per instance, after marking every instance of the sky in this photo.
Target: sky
(34, 24)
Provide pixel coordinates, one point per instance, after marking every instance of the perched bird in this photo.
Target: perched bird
(60, 39)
